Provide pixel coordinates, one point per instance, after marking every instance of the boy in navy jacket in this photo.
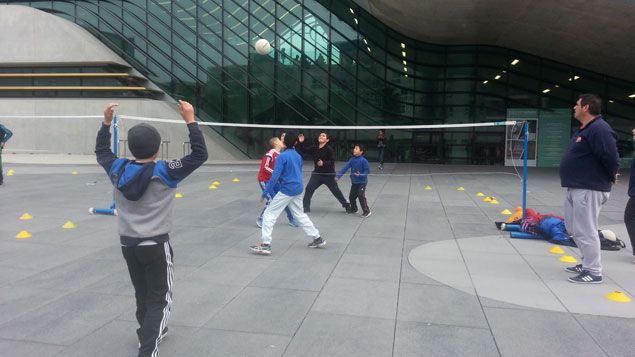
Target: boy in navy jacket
(144, 196)
(359, 179)
(285, 190)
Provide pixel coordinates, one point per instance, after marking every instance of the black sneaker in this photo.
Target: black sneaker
(574, 269)
(317, 243)
(261, 249)
(366, 214)
(586, 278)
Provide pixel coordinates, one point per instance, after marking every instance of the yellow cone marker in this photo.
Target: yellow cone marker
(428, 188)
(568, 259)
(216, 183)
(556, 250)
(506, 212)
(487, 199)
(461, 188)
(235, 179)
(74, 173)
(618, 296)
(212, 187)
(11, 172)
(26, 217)
(23, 235)
(480, 194)
(494, 202)
(178, 195)
(69, 225)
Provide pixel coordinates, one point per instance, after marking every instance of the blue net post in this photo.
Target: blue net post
(525, 155)
(115, 143)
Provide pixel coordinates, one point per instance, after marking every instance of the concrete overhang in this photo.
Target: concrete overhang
(591, 34)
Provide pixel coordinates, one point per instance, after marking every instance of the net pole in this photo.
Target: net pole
(115, 141)
(115, 144)
(526, 146)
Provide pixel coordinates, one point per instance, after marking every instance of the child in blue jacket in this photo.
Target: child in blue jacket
(359, 179)
(144, 195)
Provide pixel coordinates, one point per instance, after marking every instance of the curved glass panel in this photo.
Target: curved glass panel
(333, 63)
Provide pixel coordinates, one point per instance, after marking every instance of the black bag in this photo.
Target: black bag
(608, 244)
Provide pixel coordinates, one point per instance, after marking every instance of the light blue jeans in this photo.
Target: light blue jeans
(279, 202)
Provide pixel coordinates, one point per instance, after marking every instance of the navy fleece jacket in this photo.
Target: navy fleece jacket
(357, 164)
(591, 160)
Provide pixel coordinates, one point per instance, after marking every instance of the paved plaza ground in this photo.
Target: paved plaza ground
(428, 274)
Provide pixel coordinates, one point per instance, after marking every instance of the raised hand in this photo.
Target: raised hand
(187, 111)
(109, 113)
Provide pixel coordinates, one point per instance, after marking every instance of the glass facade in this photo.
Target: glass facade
(335, 64)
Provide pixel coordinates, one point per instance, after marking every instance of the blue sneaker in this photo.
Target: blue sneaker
(259, 222)
(294, 223)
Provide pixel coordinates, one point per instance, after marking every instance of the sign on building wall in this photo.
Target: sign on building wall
(553, 136)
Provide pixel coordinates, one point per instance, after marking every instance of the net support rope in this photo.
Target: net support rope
(274, 126)
(309, 127)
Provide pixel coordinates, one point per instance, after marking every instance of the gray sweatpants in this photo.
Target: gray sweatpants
(581, 212)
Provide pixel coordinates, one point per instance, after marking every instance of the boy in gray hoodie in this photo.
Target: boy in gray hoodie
(144, 196)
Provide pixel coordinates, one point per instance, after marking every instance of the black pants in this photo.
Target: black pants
(151, 272)
(318, 180)
(629, 220)
(358, 191)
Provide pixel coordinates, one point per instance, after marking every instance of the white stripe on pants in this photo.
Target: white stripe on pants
(581, 212)
(276, 206)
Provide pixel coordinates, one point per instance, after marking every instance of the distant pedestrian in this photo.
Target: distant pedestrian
(381, 146)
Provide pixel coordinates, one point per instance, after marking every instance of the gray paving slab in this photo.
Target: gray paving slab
(413, 279)
(221, 343)
(117, 330)
(358, 297)
(28, 348)
(294, 275)
(279, 311)
(439, 305)
(540, 333)
(326, 334)
(612, 334)
(65, 320)
(425, 339)
(357, 266)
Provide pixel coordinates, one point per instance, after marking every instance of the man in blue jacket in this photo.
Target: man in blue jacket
(5, 135)
(588, 170)
(284, 189)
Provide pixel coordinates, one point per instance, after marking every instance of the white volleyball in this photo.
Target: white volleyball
(262, 46)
